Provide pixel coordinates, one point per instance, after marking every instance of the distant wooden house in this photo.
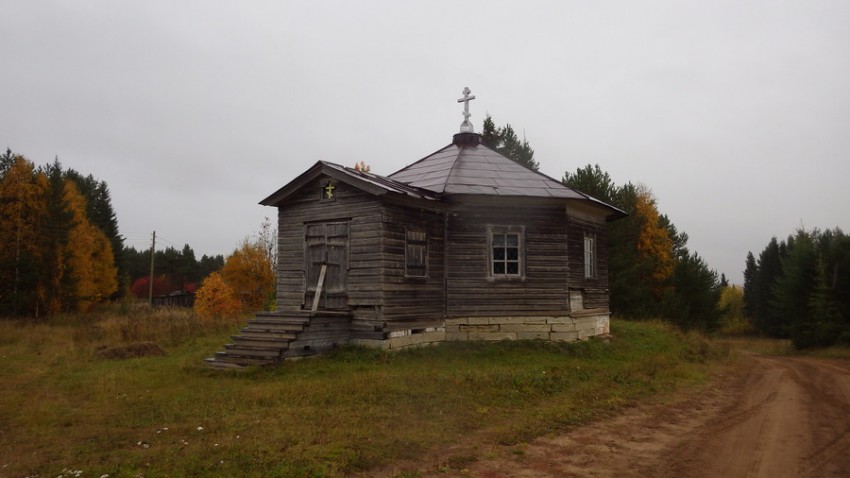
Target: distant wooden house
(464, 244)
(180, 298)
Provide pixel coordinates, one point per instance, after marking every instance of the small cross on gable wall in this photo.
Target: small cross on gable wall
(328, 190)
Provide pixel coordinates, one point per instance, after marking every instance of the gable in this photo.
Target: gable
(365, 181)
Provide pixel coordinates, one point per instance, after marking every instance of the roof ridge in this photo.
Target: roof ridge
(452, 169)
(421, 159)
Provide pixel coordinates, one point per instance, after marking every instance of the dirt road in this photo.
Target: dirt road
(777, 417)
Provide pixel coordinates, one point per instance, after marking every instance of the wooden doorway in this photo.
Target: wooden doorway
(326, 244)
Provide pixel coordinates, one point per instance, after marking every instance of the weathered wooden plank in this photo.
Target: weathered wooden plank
(337, 335)
(223, 357)
(262, 341)
(255, 352)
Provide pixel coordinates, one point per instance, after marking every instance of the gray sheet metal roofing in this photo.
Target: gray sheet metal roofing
(472, 168)
(383, 182)
(469, 168)
(480, 170)
(369, 182)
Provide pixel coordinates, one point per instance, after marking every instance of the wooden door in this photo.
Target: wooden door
(326, 244)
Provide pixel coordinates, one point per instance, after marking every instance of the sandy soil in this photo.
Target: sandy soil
(775, 417)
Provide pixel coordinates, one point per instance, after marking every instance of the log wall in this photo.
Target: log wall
(363, 213)
(383, 298)
(409, 298)
(594, 289)
(542, 289)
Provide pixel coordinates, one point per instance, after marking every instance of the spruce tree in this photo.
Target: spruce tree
(593, 181)
(793, 289)
(764, 298)
(750, 274)
(821, 323)
(60, 291)
(6, 161)
(505, 141)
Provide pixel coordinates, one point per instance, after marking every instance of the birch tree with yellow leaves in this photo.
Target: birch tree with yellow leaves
(23, 210)
(654, 245)
(52, 258)
(248, 277)
(89, 255)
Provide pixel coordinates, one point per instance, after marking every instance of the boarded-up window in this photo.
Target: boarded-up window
(506, 251)
(589, 256)
(416, 253)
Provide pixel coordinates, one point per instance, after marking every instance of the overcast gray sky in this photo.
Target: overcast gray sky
(735, 113)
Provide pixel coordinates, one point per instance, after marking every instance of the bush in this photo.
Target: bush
(249, 271)
(216, 300)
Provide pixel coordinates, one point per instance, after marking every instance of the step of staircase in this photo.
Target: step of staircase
(269, 338)
(263, 341)
(252, 332)
(227, 360)
(252, 351)
(273, 327)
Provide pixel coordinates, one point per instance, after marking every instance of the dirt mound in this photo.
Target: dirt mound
(136, 349)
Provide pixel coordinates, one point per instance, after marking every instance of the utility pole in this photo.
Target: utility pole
(153, 252)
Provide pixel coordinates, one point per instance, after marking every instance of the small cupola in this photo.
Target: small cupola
(467, 135)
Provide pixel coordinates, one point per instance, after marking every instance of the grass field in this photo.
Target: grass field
(66, 411)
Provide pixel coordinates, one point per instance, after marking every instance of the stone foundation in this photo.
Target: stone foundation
(401, 339)
(556, 329)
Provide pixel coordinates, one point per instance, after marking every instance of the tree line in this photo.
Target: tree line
(799, 288)
(61, 251)
(652, 273)
(59, 241)
(174, 270)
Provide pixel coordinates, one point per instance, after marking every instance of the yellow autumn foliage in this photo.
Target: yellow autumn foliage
(90, 259)
(23, 208)
(250, 273)
(216, 300)
(23, 213)
(52, 258)
(653, 240)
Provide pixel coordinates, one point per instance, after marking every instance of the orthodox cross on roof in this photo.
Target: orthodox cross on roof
(466, 126)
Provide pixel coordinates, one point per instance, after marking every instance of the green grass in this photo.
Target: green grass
(767, 346)
(64, 408)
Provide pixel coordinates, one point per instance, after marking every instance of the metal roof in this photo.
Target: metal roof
(372, 183)
(468, 167)
(477, 169)
(464, 167)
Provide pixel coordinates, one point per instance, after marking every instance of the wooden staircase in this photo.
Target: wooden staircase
(270, 337)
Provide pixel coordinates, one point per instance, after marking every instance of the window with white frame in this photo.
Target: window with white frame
(589, 256)
(506, 251)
